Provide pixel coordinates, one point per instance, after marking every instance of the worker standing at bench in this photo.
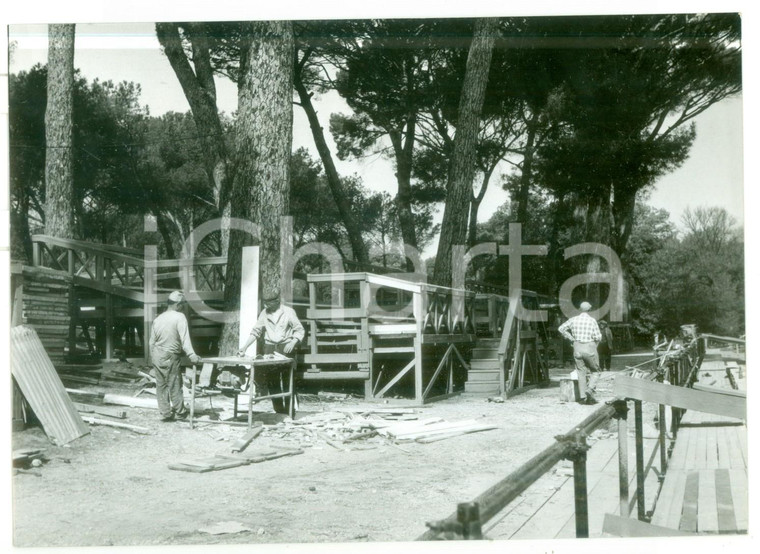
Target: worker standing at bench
(584, 333)
(169, 338)
(282, 331)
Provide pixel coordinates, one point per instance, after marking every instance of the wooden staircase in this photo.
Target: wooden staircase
(483, 376)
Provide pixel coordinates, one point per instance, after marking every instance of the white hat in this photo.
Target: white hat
(176, 297)
(585, 306)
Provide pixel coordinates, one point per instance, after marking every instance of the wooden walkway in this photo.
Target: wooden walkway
(546, 510)
(705, 488)
(702, 491)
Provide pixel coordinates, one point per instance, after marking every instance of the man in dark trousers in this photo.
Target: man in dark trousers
(169, 339)
(282, 331)
(584, 333)
(605, 346)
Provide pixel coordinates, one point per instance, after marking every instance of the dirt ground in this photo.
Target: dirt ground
(113, 487)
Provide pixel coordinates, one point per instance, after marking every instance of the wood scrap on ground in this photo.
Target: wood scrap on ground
(243, 442)
(100, 410)
(108, 423)
(227, 461)
(361, 429)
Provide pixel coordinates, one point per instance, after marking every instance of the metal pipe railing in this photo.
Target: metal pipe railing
(572, 445)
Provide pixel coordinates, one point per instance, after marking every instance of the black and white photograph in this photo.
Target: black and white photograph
(351, 278)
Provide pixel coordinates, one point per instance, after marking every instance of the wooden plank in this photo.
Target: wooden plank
(699, 460)
(670, 494)
(739, 496)
(333, 375)
(724, 503)
(108, 423)
(338, 358)
(741, 435)
(673, 516)
(711, 459)
(707, 512)
(723, 450)
(628, 527)
(680, 397)
(101, 410)
(42, 387)
(690, 503)
(734, 450)
(149, 403)
(243, 442)
(678, 458)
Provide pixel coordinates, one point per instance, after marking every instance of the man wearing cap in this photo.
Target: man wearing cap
(584, 333)
(169, 338)
(282, 332)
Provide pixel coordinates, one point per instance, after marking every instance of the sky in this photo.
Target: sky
(712, 175)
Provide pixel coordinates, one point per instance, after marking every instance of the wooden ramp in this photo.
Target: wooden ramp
(705, 488)
(546, 510)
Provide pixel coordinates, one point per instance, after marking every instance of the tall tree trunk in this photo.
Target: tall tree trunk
(598, 226)
(623, 205)
(527, 169)
(197, 81)
(475, 201)
(462, 168)
(59, 174)
(403, 148)
(358, 247)
(264, 142)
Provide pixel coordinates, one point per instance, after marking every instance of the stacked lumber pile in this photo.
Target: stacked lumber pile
(46, 308)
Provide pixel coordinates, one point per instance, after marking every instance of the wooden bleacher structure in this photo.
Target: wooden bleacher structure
(399, 336)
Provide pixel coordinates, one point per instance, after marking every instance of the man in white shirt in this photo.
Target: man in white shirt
(282, 331)
(169, 338)
(584, 333)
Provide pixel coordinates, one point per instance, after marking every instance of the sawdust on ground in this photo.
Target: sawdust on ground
(114, 487)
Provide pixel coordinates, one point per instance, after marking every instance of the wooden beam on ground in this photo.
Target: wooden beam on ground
(101, 410)
(243, 442)
(107, 423)
(680, 397)
(131, 401)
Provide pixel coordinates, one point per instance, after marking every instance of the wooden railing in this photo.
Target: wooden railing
(406, 305)
(122, 271)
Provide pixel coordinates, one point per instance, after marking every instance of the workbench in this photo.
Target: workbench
(253, 365)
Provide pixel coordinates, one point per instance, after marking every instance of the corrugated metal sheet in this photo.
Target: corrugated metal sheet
(42, 388)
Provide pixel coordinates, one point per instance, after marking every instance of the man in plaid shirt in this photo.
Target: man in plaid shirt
(584, 333)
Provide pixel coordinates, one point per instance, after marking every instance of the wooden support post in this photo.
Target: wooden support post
(419, 314)
(663, 447)
(149, 294)
(192, 395)
(622, 417)
(313, 325)
(468, 515)
(36, 254)
(109, 326)
(640, 477)
(581, 495)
